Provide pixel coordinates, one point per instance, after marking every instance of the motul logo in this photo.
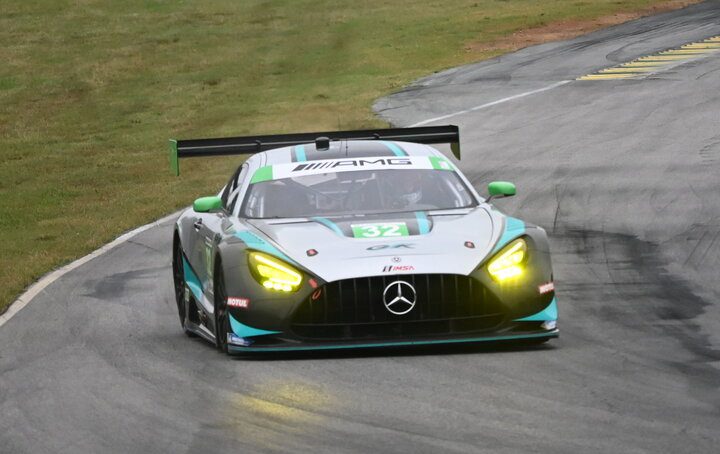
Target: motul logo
(396, 268)
(546, 288)
(242, 303)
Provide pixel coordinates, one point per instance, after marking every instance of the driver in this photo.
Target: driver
(407, 189)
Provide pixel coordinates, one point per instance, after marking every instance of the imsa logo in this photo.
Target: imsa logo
(397, 268)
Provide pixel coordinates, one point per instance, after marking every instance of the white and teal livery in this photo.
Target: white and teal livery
(356, 239)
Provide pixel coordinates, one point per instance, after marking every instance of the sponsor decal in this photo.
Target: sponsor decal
(293, 169)
(237, 340)
(546, 288)
(397, 268)
(382, 162)
(241, 303)
(379, 247)
(380, 230)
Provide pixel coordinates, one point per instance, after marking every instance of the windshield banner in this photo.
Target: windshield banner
(298, 169)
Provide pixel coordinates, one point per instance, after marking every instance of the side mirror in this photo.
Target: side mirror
(499, 189)
(207, 204)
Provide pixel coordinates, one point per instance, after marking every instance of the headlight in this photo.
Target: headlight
(508, 262)
(274, 274)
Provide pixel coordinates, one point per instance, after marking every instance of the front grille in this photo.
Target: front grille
(353, 309)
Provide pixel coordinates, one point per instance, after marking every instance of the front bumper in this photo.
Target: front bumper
(539, 326)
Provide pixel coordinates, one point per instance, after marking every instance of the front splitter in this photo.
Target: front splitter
(387, 344)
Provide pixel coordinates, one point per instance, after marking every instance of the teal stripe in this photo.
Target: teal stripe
(423, 222)
(255, 242)
(247, 331)
(192, 280)
(513, 229)
(236, 348)
(330, 224)
(394, 148)
(300, 153)
(550, 313)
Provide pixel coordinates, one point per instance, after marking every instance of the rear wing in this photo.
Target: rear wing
(254, 144)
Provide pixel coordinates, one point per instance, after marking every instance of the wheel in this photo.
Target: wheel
(181, 299)
(221, 315)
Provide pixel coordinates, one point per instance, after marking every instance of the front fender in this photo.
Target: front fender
(521, 296)
(266, 309)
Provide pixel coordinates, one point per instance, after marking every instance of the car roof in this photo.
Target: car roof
(344, 149)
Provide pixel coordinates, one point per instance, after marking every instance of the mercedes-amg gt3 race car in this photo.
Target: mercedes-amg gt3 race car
(355, 239)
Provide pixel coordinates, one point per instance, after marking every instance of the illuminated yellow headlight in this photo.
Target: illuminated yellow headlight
(274, 274)
(508, 262)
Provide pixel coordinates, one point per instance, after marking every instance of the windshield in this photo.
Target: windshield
(357, 192)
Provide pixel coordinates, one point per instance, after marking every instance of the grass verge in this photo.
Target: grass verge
(90, 91)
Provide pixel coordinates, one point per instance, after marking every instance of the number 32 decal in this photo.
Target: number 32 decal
(386, 229)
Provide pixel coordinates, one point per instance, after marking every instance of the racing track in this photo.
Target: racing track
(624, 174)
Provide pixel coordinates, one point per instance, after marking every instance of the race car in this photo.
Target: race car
(355, 239)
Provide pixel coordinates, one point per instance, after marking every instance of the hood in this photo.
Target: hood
(448, 242)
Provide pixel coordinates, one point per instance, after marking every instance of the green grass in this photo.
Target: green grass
(90, 91)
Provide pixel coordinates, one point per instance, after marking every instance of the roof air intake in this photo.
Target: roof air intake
(322, 143)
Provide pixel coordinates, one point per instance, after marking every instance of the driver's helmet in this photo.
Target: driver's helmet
(409, 187)
(413, 197)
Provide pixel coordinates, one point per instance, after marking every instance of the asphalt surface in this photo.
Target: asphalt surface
(624, 175)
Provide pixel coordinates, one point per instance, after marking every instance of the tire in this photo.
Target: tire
(179, 285)
(221, 316)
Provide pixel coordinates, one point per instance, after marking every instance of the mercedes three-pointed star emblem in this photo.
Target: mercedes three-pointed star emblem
(399, 297)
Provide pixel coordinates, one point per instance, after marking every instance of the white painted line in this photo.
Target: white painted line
(490, 104)
(48, 279)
